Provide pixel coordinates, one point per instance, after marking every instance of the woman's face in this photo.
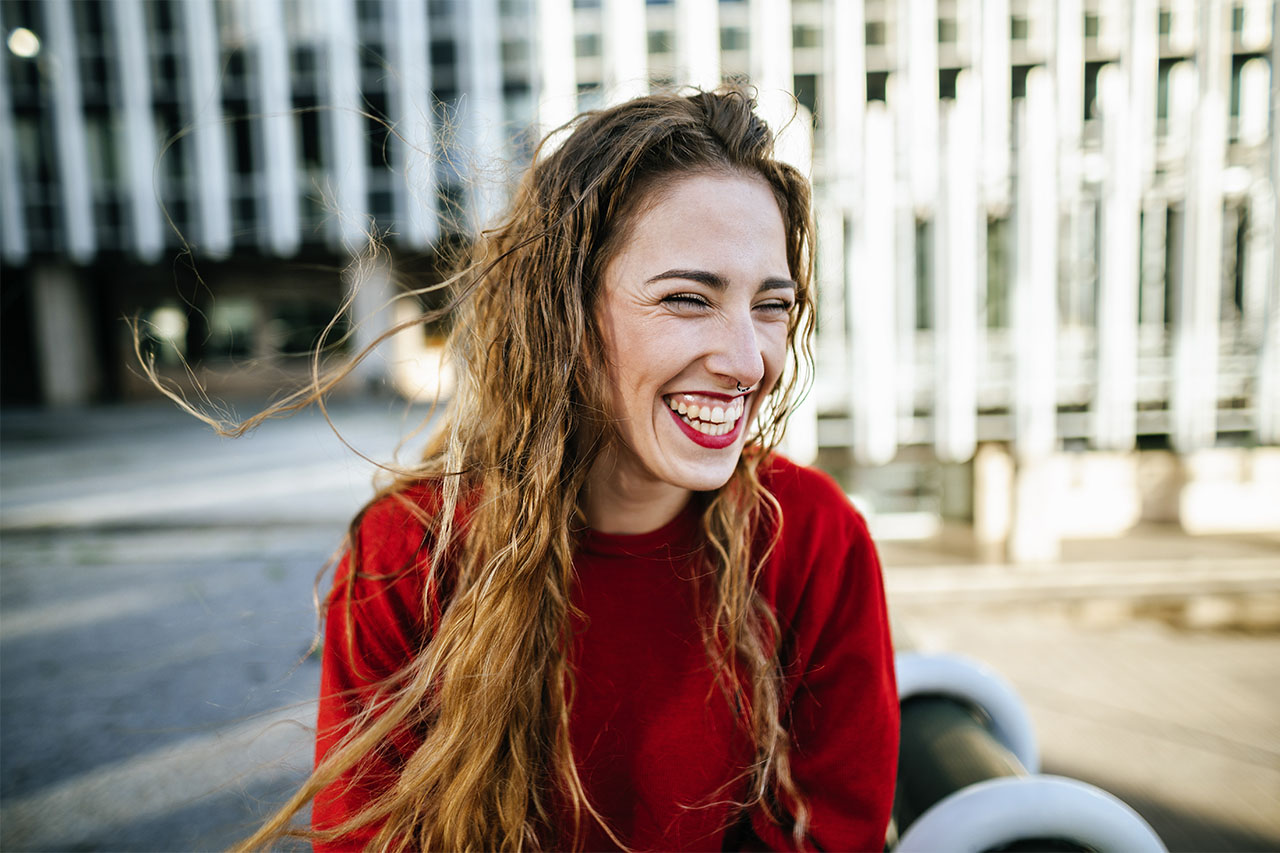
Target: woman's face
(696, 303)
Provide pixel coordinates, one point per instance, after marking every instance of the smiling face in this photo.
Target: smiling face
(695, 305)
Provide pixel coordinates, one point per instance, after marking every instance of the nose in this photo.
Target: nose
(735, 357)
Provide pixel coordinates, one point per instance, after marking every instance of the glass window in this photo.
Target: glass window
(587, 44)
(803, 35)
(733, 38)
(164, 334)
(660, 41)
(231, 327)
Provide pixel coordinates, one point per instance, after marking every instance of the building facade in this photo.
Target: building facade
(1044, 225)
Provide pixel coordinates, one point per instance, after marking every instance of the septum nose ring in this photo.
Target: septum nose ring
(742, 390)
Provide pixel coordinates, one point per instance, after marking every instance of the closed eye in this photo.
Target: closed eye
(686, 300)
(776, 305)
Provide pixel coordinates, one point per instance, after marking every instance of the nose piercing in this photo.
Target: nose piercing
(742, 390)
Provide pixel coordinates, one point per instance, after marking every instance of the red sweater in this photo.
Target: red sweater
(657, 746)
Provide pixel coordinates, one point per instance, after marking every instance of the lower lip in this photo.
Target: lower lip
(715, 442)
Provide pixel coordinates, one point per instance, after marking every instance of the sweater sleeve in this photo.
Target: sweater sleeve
(844, 704)
(375, 623)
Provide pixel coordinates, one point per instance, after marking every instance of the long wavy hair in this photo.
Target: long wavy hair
(491, 689)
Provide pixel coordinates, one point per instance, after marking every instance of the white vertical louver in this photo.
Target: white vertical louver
(918, 55)
(557, 66)
(277, 140)
(1115, 400)
(74, 188)
(209, 177)
(128, 27)
(698, 43)
(871, 300)
(955, 283)
(413, 148)
(844, 101)
(482, 133)
(346, 166)
(1268, 197)
(1068, 88)
(1035, 277)
(1255, 30)
(1183, 21)
(993, 66)
(905, 263)
(13, 231)
(1194, 393)
(626, 50)
(769, 43)
(1141, 59)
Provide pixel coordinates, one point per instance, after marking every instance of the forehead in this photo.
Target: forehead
(725, 223)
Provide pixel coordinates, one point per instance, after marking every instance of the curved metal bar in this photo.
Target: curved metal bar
(971, 682)
(999, 811)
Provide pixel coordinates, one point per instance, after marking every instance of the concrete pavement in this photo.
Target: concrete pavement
(155, 613)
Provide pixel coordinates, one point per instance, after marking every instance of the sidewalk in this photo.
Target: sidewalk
(1225, 582)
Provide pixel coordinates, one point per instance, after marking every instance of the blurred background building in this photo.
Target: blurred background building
(1049, 292)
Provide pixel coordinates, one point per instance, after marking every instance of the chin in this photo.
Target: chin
(709, 478)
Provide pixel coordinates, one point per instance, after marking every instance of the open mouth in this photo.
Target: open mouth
(707, 421)
(707, 417)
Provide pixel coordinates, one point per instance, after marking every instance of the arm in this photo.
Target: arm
(844, 708)
(374, 625)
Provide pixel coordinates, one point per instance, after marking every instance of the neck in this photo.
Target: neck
(622, 501)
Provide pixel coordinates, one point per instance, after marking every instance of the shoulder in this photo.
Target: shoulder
(390, 539)
(393, 526)
(823, 551)
(812, 503)
(378, 603)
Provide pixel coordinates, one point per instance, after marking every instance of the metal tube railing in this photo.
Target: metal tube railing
(968, 773)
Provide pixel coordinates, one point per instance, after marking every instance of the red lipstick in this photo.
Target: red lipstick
(714, 442)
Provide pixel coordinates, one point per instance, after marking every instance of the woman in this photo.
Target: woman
(603, 612)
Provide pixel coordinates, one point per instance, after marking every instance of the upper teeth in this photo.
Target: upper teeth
(699, 416)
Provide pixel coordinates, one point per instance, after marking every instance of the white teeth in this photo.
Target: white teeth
(712, 429)
(709, 420)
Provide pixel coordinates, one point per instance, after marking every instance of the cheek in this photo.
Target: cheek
(641, 353)
(629, 359)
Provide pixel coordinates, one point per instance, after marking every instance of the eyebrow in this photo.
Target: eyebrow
(717, 282)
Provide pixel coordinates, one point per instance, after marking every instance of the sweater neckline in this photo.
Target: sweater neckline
(680, 535)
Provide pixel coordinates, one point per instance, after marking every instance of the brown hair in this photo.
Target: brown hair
(515, 446)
